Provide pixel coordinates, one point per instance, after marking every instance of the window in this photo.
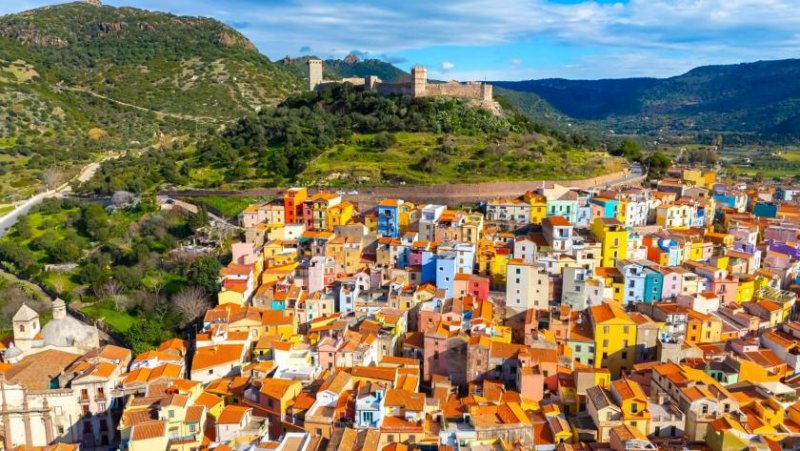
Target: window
(605, 343)
(577, 348)
(626, 329)
(605, 329)
(624, 355)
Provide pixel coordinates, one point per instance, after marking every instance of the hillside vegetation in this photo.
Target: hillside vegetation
(78, 77)
(746, 102)
(343, 135)
(350, 66)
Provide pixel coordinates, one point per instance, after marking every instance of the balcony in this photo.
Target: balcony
(189, 438)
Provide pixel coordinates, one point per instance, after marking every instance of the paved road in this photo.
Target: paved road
(450, 194)
(11, 218)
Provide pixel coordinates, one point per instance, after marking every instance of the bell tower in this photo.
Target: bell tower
(26, 327)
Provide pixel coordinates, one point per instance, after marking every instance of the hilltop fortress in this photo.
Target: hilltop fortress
(417, 87)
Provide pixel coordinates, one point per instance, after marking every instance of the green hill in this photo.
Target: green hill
(747, 102)
(345, 136)
(79, 77)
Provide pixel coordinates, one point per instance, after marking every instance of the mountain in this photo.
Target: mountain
(77, 79)
(79, 66)
(350, 66)
(758, 100)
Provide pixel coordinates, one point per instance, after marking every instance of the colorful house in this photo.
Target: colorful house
(614, 238)
(389, 217)
(614, 336)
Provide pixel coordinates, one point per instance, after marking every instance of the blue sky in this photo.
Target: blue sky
(509, 39)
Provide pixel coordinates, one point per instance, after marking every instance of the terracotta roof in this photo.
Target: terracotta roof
(210, 356)
(37, 371)
(276, 388)
(194, 414)
(405, 399)
(148, 430)
(233, 414)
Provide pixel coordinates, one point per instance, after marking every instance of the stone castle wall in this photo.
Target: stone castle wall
(417, 87)
(474, 91)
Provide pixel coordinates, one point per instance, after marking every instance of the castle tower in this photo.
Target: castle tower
(26, 327)
(314, 74)
(420, 82)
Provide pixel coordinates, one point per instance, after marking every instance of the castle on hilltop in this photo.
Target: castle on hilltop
(417, 87)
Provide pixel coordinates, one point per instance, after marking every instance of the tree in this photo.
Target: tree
(758, 177)
(204, 274)
(146, 334)
(658, 164)
(628, 148)
(191, 303)
(52, 177)
(198, 220)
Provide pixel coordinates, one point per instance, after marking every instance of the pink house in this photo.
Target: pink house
(531, 383)
(472, 285)
(244, 253)
(726, 289)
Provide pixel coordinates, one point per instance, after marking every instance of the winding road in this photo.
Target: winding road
(7, 221)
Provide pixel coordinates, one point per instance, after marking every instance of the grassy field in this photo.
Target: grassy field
(229, 207)
(777, 164)
(427, 158)
(118, 320)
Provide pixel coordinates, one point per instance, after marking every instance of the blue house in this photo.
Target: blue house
(348, 293)
(446, 272)
(641, 283)
(389, 217)
(608, 207)
(725, 200)
(765, 209)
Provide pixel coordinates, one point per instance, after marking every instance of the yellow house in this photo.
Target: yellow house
(614, 238)
(211, 402)
(149, 435)
(538, 205)
(631, 399)
(747, 288)
(407, 215)
(498, 266)
(614, 337)
(231, 296)
(702, 328)
(339, 215)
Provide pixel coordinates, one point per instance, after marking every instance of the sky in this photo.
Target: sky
(508, 39)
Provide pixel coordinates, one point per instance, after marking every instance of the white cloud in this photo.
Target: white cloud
(447, 66)
(673, 32)
(515, 61)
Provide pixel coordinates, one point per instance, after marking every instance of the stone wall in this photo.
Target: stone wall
(473, 91)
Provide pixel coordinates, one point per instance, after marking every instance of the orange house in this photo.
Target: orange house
(293, 199)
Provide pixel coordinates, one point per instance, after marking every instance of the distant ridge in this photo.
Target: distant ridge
(761, 99)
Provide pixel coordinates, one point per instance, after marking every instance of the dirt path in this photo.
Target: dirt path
(184, 117)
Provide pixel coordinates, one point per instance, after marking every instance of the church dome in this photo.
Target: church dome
(67, 331)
